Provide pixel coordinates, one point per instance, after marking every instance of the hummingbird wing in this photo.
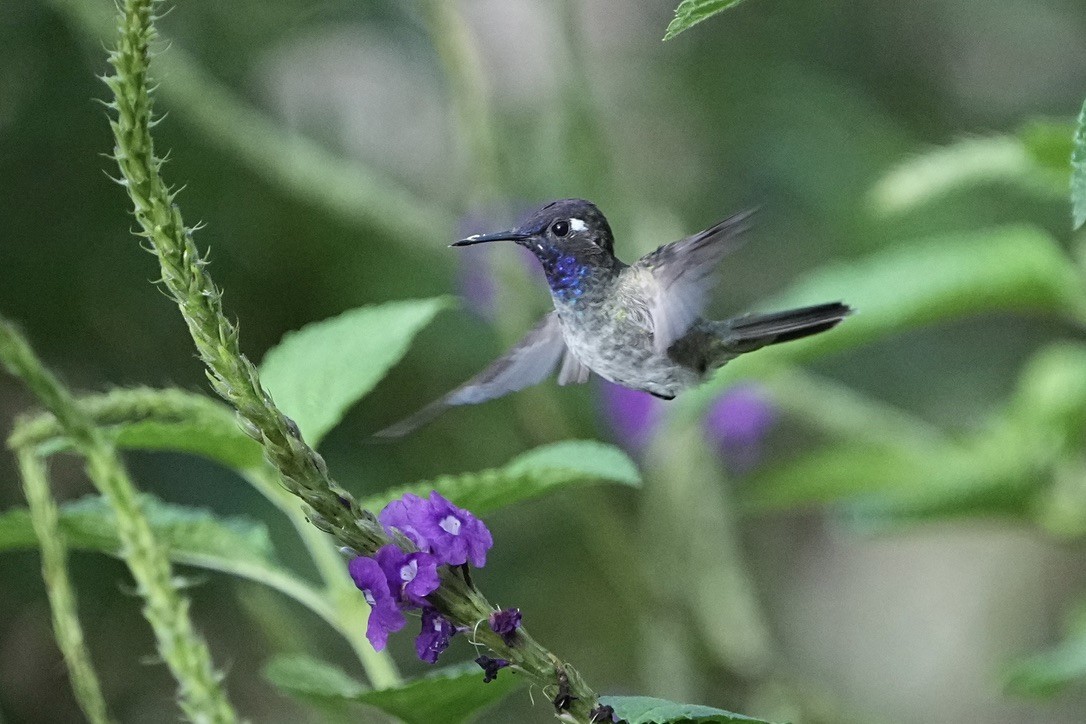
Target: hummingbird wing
(684, 271)
(528, 363)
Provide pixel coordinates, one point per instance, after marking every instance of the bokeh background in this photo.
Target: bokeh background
(344, 144)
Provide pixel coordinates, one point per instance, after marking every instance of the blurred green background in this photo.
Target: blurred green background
(335, 158)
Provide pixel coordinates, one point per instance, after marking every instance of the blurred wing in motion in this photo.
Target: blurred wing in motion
(685, 272)
(530, 362)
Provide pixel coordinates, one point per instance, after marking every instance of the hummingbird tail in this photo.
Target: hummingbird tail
(754, 331)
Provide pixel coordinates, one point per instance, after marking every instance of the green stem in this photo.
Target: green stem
(201, 695)
(58, 586)
(235, 379)
(451, 38)
(339, 604)
(691, 515)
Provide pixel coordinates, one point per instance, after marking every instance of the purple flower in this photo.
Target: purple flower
(505, 623)
(631, 414)
(454, 535)
(398, 515)
(434, 636)
(476, 282)
(410, 576)
(490, 667)
(385, 616)
(738, 422)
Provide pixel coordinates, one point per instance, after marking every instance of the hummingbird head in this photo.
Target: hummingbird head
(568, 225)
(571, 239)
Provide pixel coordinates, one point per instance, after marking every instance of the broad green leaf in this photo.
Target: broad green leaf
(310, 678)
(1016, 268)
(1022, 162)
(995, 472)
(317, 373)
(834, 473)
(1047, 673)
(90, 524)
(147, 419)
(449, 695)
(1049, 143)
(196, 537)
(1025, 463)
(1051, 393)
(650, 710)
(1078, 172)
(692, 12)
(535, 473)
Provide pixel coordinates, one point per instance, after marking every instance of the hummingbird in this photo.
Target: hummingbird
(638, 325)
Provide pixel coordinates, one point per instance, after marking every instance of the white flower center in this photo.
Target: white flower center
(450, 524)
(409, 571)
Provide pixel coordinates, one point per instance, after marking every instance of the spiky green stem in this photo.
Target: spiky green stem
(235, 379)
(200, 692)
(338, 603)
(58, 586)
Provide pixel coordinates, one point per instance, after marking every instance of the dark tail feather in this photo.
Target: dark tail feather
(754, 331)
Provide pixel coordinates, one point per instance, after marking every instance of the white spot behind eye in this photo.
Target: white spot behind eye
(577, 225)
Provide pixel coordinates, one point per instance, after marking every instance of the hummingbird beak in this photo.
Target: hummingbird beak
(498, 236)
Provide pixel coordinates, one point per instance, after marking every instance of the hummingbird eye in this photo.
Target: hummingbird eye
(560, 228)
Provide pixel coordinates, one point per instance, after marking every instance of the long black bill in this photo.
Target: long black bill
(497, 236)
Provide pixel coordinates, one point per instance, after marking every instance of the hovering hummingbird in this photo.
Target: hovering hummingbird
(637, 325)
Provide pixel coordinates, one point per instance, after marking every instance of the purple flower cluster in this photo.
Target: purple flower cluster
(394, 580)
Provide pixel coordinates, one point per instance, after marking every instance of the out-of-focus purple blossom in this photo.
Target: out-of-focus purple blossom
(490, 667)
(434, 636)
(385, 615)
(476, 270)
(631, 414)
(398, 515)
(411, 576)
(505, 623)
(475, 280)
(453, 534)
(738, 422)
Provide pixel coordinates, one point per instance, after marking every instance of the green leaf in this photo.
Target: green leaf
(535, 473)
(1023, 162)
(148, 419)
(832, 474)
(1078, 172)
(650, 710)
(224, 442)
(449, 695)
(310, 678)
(197, 537)
(317, 373)
(692, 12)
(89, 524)
(1048, 673)
(1049, 143)
(1050, 397)
(1016, 268)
